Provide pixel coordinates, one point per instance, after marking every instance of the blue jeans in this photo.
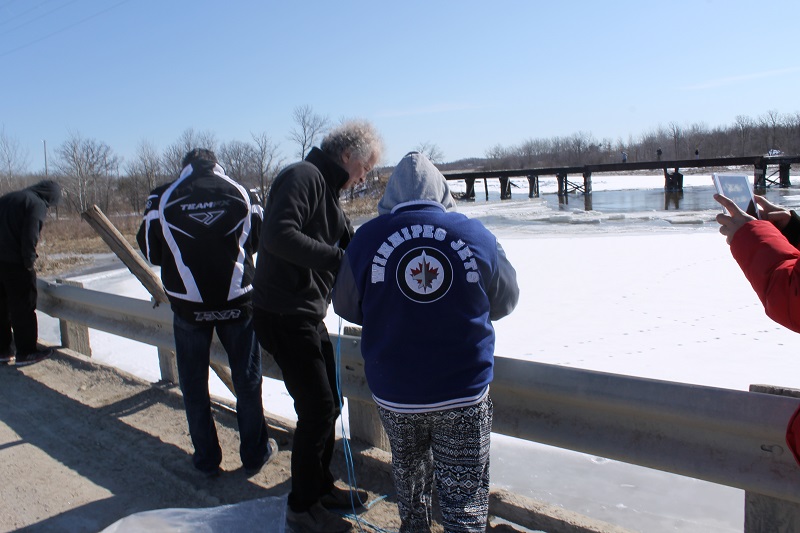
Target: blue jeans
(192, 350)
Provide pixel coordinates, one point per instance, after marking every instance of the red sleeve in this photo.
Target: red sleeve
(771, 265)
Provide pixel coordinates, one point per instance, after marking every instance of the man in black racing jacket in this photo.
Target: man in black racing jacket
(202, 230)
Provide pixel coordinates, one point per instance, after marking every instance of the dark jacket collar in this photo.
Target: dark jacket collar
(335, 176)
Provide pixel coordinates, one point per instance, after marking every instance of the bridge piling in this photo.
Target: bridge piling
(783, 170)
(561, 178)
(760, 177)
(505, 188)
(673, 181)
(533, 186)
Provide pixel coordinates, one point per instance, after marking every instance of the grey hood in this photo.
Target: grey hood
(415, 178)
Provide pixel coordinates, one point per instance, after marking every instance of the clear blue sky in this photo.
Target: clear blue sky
(466, 75)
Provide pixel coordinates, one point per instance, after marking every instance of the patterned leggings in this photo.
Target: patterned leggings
(453, 445)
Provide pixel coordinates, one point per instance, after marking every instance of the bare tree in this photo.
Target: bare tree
(86, 168)
(649, 144)
(495, 156)
(770, 122)
(676, 133)
(268, 162)
(695, 136)
(527, 153)
(142, 175)
(578, 143)
(309, 126)
(13, 158)
(431, 151)
(240, 160)
(793, 125)
(744, 128)
(188, 140)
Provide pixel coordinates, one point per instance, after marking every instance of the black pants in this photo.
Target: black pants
(18, 296)
(303, 351)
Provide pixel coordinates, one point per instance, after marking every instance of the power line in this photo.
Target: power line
(61, 30)
(40, 16)
(5, 5)
(18, 15)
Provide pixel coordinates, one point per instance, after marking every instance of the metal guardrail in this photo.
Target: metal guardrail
(730, 437)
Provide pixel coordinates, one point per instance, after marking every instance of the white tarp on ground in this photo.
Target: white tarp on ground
(265, 514)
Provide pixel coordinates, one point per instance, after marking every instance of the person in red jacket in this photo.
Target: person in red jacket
(766, 250)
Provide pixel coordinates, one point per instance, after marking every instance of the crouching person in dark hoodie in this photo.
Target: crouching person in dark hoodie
(426, 284)
(22, 215)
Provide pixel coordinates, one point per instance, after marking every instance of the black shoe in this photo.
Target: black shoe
(272, 448)
(341, 499)
(7, 355)
(316, 519)
(34, 357)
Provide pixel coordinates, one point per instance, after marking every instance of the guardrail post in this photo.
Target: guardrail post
(365, 423)
(168, 365)
(74, 336)
(765, 514)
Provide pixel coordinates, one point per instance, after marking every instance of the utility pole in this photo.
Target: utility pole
(45, 157)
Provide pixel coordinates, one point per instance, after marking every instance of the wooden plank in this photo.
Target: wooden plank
(139, 268)
(120, 246)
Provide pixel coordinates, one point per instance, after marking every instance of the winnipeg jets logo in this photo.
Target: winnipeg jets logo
(207, 217)
(424, 275)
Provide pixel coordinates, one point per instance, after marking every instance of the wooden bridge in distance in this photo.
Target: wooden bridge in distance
(761, 179)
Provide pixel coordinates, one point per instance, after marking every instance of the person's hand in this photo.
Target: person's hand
(730, 223)
(776, 214)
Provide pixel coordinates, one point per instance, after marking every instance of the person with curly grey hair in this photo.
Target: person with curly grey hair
(302, 244)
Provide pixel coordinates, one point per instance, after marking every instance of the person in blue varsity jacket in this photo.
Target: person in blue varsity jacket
(426, 283)
(202, 230)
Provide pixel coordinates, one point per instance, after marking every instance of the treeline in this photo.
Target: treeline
(746, 136)
(91, 173)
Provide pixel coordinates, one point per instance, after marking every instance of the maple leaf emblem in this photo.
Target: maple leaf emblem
(424, 274)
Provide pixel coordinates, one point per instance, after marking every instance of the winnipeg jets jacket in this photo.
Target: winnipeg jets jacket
(425, 284)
